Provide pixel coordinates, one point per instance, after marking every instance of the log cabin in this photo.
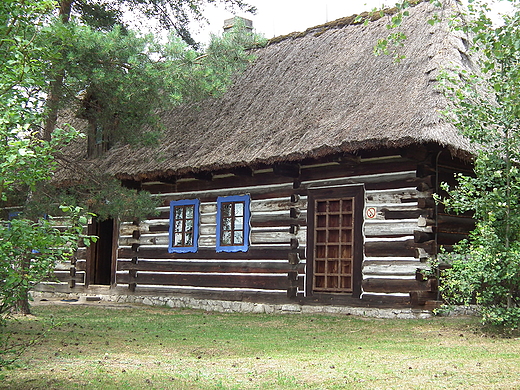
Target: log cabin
(310, 181)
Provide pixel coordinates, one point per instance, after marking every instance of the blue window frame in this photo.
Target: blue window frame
(184, 226)
(233, 213)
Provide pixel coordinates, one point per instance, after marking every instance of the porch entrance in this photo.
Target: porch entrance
(101, 254)
(336, 242)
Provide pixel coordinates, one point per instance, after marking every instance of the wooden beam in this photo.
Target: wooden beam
(250, 266)
(254, 253)
(407, 248)
(377, 285)
(287, 169)
(267, 282)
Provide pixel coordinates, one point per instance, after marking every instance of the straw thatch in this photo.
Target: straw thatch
(309, 95)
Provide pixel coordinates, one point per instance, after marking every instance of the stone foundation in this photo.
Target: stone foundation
(233, 306)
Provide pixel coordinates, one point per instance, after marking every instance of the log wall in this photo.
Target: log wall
(401, 230)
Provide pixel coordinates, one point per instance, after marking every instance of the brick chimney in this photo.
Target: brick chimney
(230, 23)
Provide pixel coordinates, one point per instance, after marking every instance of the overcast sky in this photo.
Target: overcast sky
(280, 17)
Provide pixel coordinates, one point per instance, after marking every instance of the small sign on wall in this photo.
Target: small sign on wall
(371, 212)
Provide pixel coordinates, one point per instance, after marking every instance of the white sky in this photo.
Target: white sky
(280, 17)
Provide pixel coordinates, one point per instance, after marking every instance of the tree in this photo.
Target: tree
(98, 29)
(111, 74)
(28, 249)
(485, 268)
(121, 81)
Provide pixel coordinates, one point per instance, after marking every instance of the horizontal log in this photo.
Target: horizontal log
(420, 236)
(454, 223)
(146, 239)
(376, 285)
(363, 179)
(282, 218)
(405, 248)
(260, 237)
(257, 253)
(64, 276)
(405, 214)
(260, 205)
(266, 282)
(159, 228)
(208, 232)
(62, 266)
(402, 268)
(364, 168)
(264, 178)
(398, 227)
(399, 195)
(250, 266)
(255, 188)
(207, 241)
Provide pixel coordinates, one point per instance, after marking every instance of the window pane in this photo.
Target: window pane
(239, 223)
(226, 238)
(226, 224)
(178, 225)
(184, 229)
(189, 212)
(226, 209)
(239, 209)
(189, 225)
(239, 238)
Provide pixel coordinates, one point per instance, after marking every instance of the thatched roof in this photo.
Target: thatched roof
(309, 95)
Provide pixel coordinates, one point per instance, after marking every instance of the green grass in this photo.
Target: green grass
(160, 348)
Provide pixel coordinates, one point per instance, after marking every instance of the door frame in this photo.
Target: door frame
(93, 252)
(358, 193)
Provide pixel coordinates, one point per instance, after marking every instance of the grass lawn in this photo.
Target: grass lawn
(161, 348)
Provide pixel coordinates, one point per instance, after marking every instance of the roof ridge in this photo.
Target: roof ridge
(355, 19)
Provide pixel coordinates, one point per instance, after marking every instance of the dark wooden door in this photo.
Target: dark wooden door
(334, 245)
(100, 254)
(336, 240)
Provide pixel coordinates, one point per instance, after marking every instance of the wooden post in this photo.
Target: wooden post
(72, 280)
(135, 260)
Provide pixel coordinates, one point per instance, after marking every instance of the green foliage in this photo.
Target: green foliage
(486, 267)
(121, 80)
(29, 249)
(29, 252)
(81, 56)
(104, 196)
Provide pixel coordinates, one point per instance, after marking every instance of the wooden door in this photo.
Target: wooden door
(336, 240)
(101, 254)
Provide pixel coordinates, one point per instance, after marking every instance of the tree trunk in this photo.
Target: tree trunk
(22, 305)
(56, 86)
